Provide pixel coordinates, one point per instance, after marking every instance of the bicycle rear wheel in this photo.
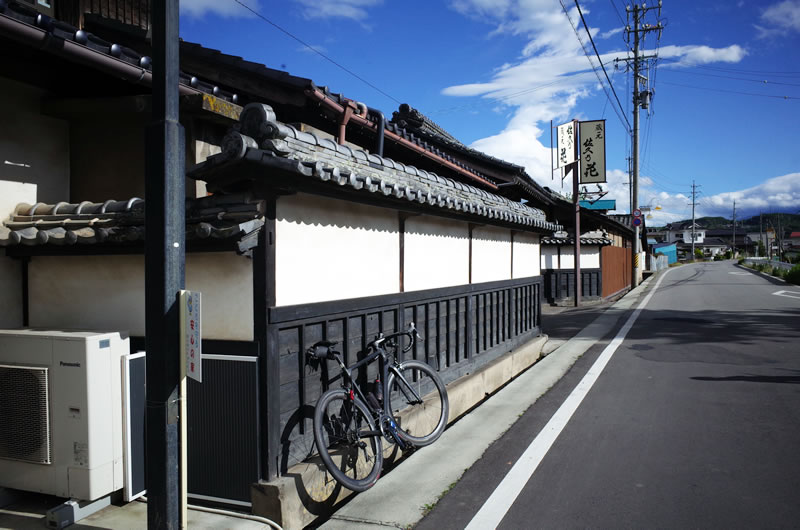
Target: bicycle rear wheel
(417, 401)
(347, 440)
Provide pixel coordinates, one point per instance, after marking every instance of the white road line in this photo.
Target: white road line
(500, 501)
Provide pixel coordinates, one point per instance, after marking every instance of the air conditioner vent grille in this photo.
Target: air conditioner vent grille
(24, 414)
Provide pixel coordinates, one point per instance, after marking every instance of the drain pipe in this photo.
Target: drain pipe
(381, 128)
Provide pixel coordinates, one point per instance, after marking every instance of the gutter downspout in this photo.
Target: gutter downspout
(332, 105)
(381, 129)
(41, 39)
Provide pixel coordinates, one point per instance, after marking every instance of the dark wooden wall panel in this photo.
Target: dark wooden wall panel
(463, 328)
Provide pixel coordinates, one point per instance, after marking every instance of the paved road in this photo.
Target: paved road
(693, 423)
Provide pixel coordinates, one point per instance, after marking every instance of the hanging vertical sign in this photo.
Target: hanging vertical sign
(593, 151)
(566, 144)
(191, 335)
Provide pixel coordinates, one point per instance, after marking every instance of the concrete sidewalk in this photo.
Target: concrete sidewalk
(400, 498)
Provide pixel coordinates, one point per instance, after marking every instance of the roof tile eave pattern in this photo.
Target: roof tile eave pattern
(260, 138)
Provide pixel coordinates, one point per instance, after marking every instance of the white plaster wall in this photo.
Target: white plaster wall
(107, 293)
(327, 249)
(590, 257)
(33, 148)
(549, 257)
(491, 254)
(13, 193)
(436, 253)
(526, 255)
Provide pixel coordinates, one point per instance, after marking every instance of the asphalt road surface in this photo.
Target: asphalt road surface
(694, 422)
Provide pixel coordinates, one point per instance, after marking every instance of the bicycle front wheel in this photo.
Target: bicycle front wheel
(347, 440)
(417, 400)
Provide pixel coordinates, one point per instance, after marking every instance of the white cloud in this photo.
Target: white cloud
(780, 18)
(610, 33)
(693, 55)
(551, 76)
(352, 9)
(199, 8)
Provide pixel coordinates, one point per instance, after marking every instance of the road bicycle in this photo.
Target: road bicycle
(406, 405)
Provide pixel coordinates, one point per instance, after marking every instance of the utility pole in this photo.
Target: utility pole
(165, 225)
(760, 232)
(640, 98)
(694, 202)
(734, 229)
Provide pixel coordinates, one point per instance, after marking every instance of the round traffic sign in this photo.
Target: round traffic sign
(637, 221)
(637, 212)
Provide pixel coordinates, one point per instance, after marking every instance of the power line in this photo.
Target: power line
(761, 81)
(779, 73)
(268, 21)
(617, 110)
(731, 91)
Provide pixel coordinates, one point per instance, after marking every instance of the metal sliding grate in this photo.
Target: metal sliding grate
(24, 414)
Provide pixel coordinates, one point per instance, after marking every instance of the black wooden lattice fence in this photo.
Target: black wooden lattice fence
(463, 328)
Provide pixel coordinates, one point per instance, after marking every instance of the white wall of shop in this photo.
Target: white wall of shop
(590, 257)
(107, 293)
(436, 253)
(326, 249)
(526, 255)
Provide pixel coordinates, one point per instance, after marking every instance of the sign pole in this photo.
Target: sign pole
(577, 245)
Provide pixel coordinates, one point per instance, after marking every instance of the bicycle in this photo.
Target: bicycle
(406, 406)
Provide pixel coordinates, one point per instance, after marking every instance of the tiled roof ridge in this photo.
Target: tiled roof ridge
(59, 29)
(64, 224)
(602, 241)
(401, 117)
(259, 131)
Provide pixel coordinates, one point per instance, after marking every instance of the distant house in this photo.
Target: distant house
(668, 249)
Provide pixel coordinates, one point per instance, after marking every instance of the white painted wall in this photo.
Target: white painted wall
(491, 254)
(436, 253)
(590, 257)
(526, 255)
(327, 249)
(107, 293)
(549, 257)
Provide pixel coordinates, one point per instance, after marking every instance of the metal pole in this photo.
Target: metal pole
(164, 271)
(577, 246)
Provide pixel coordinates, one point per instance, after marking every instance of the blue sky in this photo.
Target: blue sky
(495, 72)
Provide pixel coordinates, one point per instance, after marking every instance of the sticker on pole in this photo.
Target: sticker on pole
(191, 334)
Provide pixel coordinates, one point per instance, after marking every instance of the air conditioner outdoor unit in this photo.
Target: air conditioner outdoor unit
(61, 412)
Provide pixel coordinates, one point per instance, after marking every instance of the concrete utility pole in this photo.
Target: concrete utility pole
(640, 98)
(760, 233)
(694, 202)
(734, 229)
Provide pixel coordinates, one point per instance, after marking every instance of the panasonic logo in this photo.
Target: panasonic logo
(76, 365)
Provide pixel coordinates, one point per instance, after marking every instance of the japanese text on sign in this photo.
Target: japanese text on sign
(593, 151)
(565, 144)
(191, 337)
